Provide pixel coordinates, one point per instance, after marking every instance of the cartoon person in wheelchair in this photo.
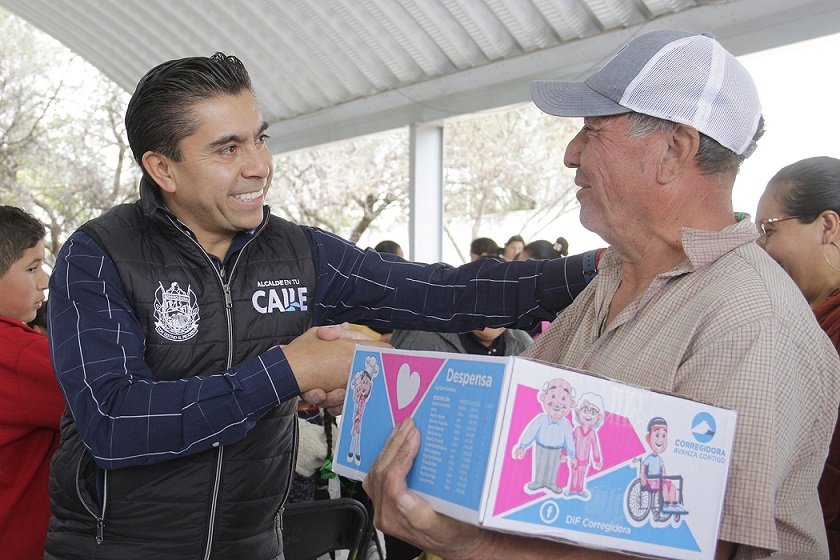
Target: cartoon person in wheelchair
(654, 492)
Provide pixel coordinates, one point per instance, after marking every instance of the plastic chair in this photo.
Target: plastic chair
(312, 529)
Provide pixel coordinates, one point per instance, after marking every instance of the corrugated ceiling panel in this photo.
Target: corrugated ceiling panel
(408, 32)
(570, 20)
(355, 42)
(327, 69)
(614, 13)
(321, 56)
(383, 44)
(444, 29)
(483, 26)
(658, 7)
(527, 25)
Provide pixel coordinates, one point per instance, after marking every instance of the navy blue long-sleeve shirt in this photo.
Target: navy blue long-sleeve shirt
(108, 385)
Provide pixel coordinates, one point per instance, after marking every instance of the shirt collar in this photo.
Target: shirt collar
(702, 247)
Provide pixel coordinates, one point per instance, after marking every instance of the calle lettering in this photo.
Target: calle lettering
(282, 299)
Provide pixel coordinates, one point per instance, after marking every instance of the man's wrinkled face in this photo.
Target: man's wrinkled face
(614, 171)
(557, 399)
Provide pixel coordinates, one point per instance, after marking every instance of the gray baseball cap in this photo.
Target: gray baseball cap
(674, 75)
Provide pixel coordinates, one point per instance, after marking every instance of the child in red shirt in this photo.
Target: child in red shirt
(31, 402)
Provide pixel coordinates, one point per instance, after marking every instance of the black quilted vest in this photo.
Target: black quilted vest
(222, 503)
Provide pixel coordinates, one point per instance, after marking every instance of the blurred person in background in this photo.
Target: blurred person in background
(543, 249)
(798, 220)
(513, 247)
(391, 247)
(561, 246)
(484, 247)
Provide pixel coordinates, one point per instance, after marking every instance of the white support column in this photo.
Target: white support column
(425, 191)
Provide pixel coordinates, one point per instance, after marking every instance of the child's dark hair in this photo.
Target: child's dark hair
(562, 246)
(541, 249)
(387, 246)
(485, 247)
(19, 231)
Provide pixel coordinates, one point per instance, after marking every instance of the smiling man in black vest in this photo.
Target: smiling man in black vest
(183, 331)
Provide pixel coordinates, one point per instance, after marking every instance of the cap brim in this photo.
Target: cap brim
(572, 99)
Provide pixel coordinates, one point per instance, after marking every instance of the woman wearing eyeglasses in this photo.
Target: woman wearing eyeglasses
(798, 221)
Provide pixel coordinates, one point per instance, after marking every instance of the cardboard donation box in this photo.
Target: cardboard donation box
(520, 446)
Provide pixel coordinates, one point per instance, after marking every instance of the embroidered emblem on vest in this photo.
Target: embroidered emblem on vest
(176, 312)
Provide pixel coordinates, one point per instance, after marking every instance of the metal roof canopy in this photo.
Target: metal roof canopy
(328, 70)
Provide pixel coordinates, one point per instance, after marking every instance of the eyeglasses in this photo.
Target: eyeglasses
(762, 230)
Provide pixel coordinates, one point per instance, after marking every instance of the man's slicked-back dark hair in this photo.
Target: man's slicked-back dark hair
(18, 232)
(159, 114)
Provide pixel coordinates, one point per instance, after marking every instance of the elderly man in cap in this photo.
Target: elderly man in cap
(685, 301)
